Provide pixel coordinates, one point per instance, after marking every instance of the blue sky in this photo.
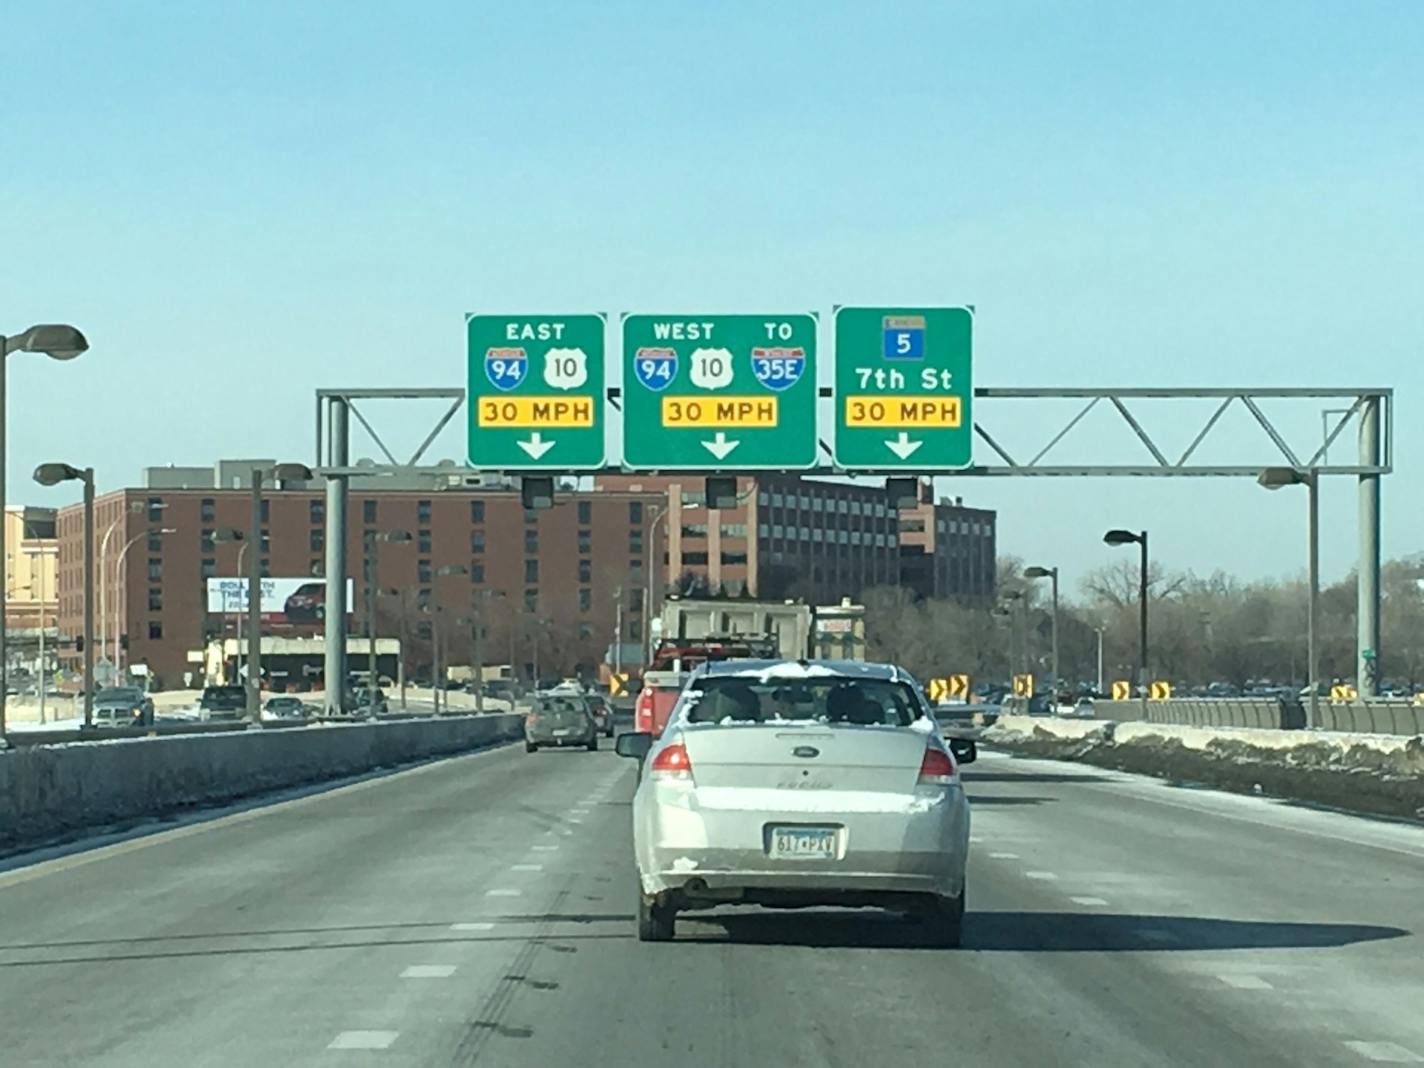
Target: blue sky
(241, 203)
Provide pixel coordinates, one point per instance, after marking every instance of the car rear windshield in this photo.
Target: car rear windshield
(119, 693)
(867, 702)
(224, 697)
(559, 706)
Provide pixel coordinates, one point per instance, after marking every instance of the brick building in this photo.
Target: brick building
(552, 576)
(815, 539)
(946, 549)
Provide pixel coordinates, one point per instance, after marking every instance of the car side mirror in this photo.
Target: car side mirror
(964, 750)
(633, 744)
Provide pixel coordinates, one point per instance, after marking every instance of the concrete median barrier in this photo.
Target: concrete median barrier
(1374, 773)
(49, 791)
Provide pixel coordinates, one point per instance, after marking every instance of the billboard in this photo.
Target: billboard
(283, 600)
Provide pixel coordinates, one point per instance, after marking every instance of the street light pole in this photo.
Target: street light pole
(88, 477)
(58, 342)
(278, 473)
(371, 539)
(1100, 659)
(52, 474)
(617, 637)
(119, 570)
(1142, 614)
(1274, 478)
(1050, 572)
(254, 602)
(1127, 537)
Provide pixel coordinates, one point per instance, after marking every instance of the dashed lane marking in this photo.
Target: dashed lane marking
(428, 971)
(363, 1040)
(1245, 982)
(1385, 1052)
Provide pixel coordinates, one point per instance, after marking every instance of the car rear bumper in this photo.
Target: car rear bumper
(546, 738)
(697, 855)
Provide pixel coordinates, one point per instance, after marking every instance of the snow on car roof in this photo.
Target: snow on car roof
(799, 669)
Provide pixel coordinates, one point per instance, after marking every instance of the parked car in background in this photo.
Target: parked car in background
(1079, 709)
(365, 702)
(223, 702)
(602, 712)
(1042, 704)
(122, 706)
(285, 708)
(560, 719)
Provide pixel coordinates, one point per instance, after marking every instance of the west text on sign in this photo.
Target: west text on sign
(719, 392)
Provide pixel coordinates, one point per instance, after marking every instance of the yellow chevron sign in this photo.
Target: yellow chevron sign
(1342, 691)
(1023, 685)
(938, 689)
(1161, 690)
(959, 686)
(618, 684)
(1121, 690)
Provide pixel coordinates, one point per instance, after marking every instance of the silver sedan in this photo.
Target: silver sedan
(797, 784)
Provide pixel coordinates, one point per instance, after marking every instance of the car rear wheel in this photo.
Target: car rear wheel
(530, 747)
(656, 923)
(943, 921)
(593, 744)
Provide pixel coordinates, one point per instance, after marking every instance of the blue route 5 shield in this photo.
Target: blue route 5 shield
(506, 368)
(655, 367)
(778, 368)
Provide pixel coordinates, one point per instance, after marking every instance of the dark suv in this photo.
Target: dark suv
(223, 702)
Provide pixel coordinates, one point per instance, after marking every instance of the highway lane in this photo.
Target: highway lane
(479, 911)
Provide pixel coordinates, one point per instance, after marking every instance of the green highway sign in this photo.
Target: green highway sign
(904, 389)
(719, 392)
(535, 392)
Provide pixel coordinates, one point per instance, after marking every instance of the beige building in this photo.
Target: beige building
(30, 565)
(31, 597)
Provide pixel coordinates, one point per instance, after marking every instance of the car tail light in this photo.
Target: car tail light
(673, 762)
(643, 711)
(937, 768)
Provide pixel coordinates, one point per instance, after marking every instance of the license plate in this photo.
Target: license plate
(562, 732)
(803, 843)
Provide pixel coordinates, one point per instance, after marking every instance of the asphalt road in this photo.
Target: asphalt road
(480, 911)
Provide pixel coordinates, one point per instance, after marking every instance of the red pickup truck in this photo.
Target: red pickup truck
(673, 662)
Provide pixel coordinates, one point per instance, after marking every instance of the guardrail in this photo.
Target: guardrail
(70, 735)
(49, 790)
(1383, 716)
(1268, 713)
(1380, 716)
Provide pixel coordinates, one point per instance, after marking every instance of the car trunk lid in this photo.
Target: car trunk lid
(815, 757)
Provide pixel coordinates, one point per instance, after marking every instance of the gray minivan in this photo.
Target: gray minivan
(560, 719)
